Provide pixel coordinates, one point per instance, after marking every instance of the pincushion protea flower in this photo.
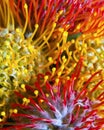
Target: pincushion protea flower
(57, 106)
(20, 53)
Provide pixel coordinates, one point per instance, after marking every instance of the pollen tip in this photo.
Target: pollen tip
(46, 78)
(36, 92)
(3, 113)
(25, 6)
(65, 34)
(36, 26)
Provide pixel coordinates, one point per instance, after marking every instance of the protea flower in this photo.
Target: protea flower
(27, 41)
(58, 106)
(23, 52)
(19, 19)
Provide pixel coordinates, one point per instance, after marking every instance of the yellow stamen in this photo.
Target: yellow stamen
(78, 27)
(15, 111)
(47, 95)
(53, 71)
(72, 41)
(3, 114)
(64, 59)
(57, 81)
(65, 35)
(50, 59)
(23, 87)
(36, 92)
(26, 23)
(46, 78)
(26, 101)
(41, 100)
(35, 30)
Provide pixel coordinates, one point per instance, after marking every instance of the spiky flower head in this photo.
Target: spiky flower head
(57, 106)
(48, 41)
(23, 51)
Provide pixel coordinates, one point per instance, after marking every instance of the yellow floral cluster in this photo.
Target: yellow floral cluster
(23, 52)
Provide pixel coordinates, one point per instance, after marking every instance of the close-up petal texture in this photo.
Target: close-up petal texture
(52, 64)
